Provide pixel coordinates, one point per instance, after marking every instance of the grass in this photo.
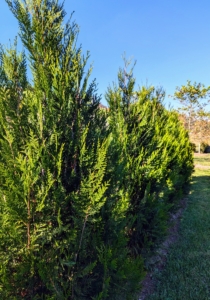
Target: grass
(202, 159)
(187, 272)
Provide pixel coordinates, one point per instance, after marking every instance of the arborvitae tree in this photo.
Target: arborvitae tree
(156, 149)
(62, 208)
(78, 185)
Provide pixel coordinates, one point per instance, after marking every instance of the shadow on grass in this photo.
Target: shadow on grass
(187, 271)
(200, 185)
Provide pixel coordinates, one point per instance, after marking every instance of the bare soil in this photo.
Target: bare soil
(158, 261)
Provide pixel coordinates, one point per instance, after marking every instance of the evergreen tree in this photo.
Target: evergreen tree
(82, 191)
(62, 206)
(156, 150)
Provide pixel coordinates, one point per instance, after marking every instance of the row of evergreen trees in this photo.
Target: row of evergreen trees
(84, 192)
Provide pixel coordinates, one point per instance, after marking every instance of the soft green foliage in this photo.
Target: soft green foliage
(82, 191)
(193, 146)
(190, 94)
(192, 97)
(203, 147)
(158, 157)
(62, 208)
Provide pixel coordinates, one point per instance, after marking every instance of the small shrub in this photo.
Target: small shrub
(203, 147)
(193, 147)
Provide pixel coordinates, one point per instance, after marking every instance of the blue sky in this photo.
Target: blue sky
(169, 39)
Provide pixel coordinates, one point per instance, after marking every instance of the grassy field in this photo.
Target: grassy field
(202, 159)
(187, 272)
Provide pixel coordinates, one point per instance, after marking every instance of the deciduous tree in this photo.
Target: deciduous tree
(193, 98)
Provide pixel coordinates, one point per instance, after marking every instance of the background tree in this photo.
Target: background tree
(192, 97)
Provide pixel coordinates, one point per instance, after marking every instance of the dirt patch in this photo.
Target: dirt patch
(158, 261)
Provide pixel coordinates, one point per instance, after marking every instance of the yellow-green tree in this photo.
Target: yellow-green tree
(192, 98)
(62, 211)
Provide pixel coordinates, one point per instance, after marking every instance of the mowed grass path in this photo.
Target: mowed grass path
(187, 272)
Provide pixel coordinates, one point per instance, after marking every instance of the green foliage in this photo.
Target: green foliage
(192, 98)
(84, 192)
(193, 146)
(61, 201)
(203, 147)
(157, 153)
(190, 94)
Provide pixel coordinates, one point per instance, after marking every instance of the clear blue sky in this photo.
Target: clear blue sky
(170, 39)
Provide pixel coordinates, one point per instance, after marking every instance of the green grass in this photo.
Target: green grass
(202, 159)
(187, 272)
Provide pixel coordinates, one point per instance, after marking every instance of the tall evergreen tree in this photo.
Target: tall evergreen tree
(61, 197)
(52, 175)
(78, 185)
(156, 150)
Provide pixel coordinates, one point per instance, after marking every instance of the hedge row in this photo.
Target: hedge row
(85, 192)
